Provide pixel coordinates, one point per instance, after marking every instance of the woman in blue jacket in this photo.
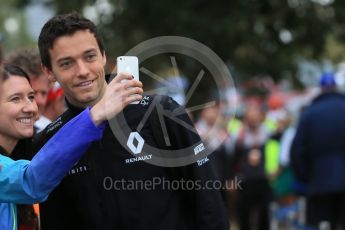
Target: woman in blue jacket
(27, 182)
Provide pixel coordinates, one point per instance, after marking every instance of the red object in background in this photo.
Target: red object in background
(275, 101)
(54, 93)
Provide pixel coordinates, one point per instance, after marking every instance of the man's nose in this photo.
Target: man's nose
(83, 69)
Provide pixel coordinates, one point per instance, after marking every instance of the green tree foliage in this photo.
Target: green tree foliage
(265, 37)
(246, 33)
(11, 40)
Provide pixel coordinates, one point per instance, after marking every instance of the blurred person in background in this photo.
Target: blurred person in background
(275, 105)
(211, 126)
(318, 155)
(29, 60)
(255, 195)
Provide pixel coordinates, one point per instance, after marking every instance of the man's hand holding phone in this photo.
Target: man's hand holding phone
(120, 92)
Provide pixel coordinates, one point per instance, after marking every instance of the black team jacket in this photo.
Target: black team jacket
(111, 188)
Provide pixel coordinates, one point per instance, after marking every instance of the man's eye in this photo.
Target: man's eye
(65, 64)
(32, 97)
(15, 99)
(91, 57)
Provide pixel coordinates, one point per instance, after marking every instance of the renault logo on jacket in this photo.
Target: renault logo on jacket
(135, 136)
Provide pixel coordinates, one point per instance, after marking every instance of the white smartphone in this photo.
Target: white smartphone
(128, 64)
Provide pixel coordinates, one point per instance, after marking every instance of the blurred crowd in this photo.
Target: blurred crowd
(286, 149)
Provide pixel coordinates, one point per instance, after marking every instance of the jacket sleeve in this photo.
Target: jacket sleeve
(25, 182)
(205, 201)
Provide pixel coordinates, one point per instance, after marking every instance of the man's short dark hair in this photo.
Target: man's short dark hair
(29, 60)
(61, 25)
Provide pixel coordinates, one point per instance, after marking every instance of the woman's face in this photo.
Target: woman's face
(18, 109)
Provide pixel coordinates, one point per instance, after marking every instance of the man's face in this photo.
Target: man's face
(40, 85)
(78, 65)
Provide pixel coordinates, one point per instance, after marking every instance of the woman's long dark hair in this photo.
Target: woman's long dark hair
(9, 70)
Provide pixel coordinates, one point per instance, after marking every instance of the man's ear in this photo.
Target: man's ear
(48, 73)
